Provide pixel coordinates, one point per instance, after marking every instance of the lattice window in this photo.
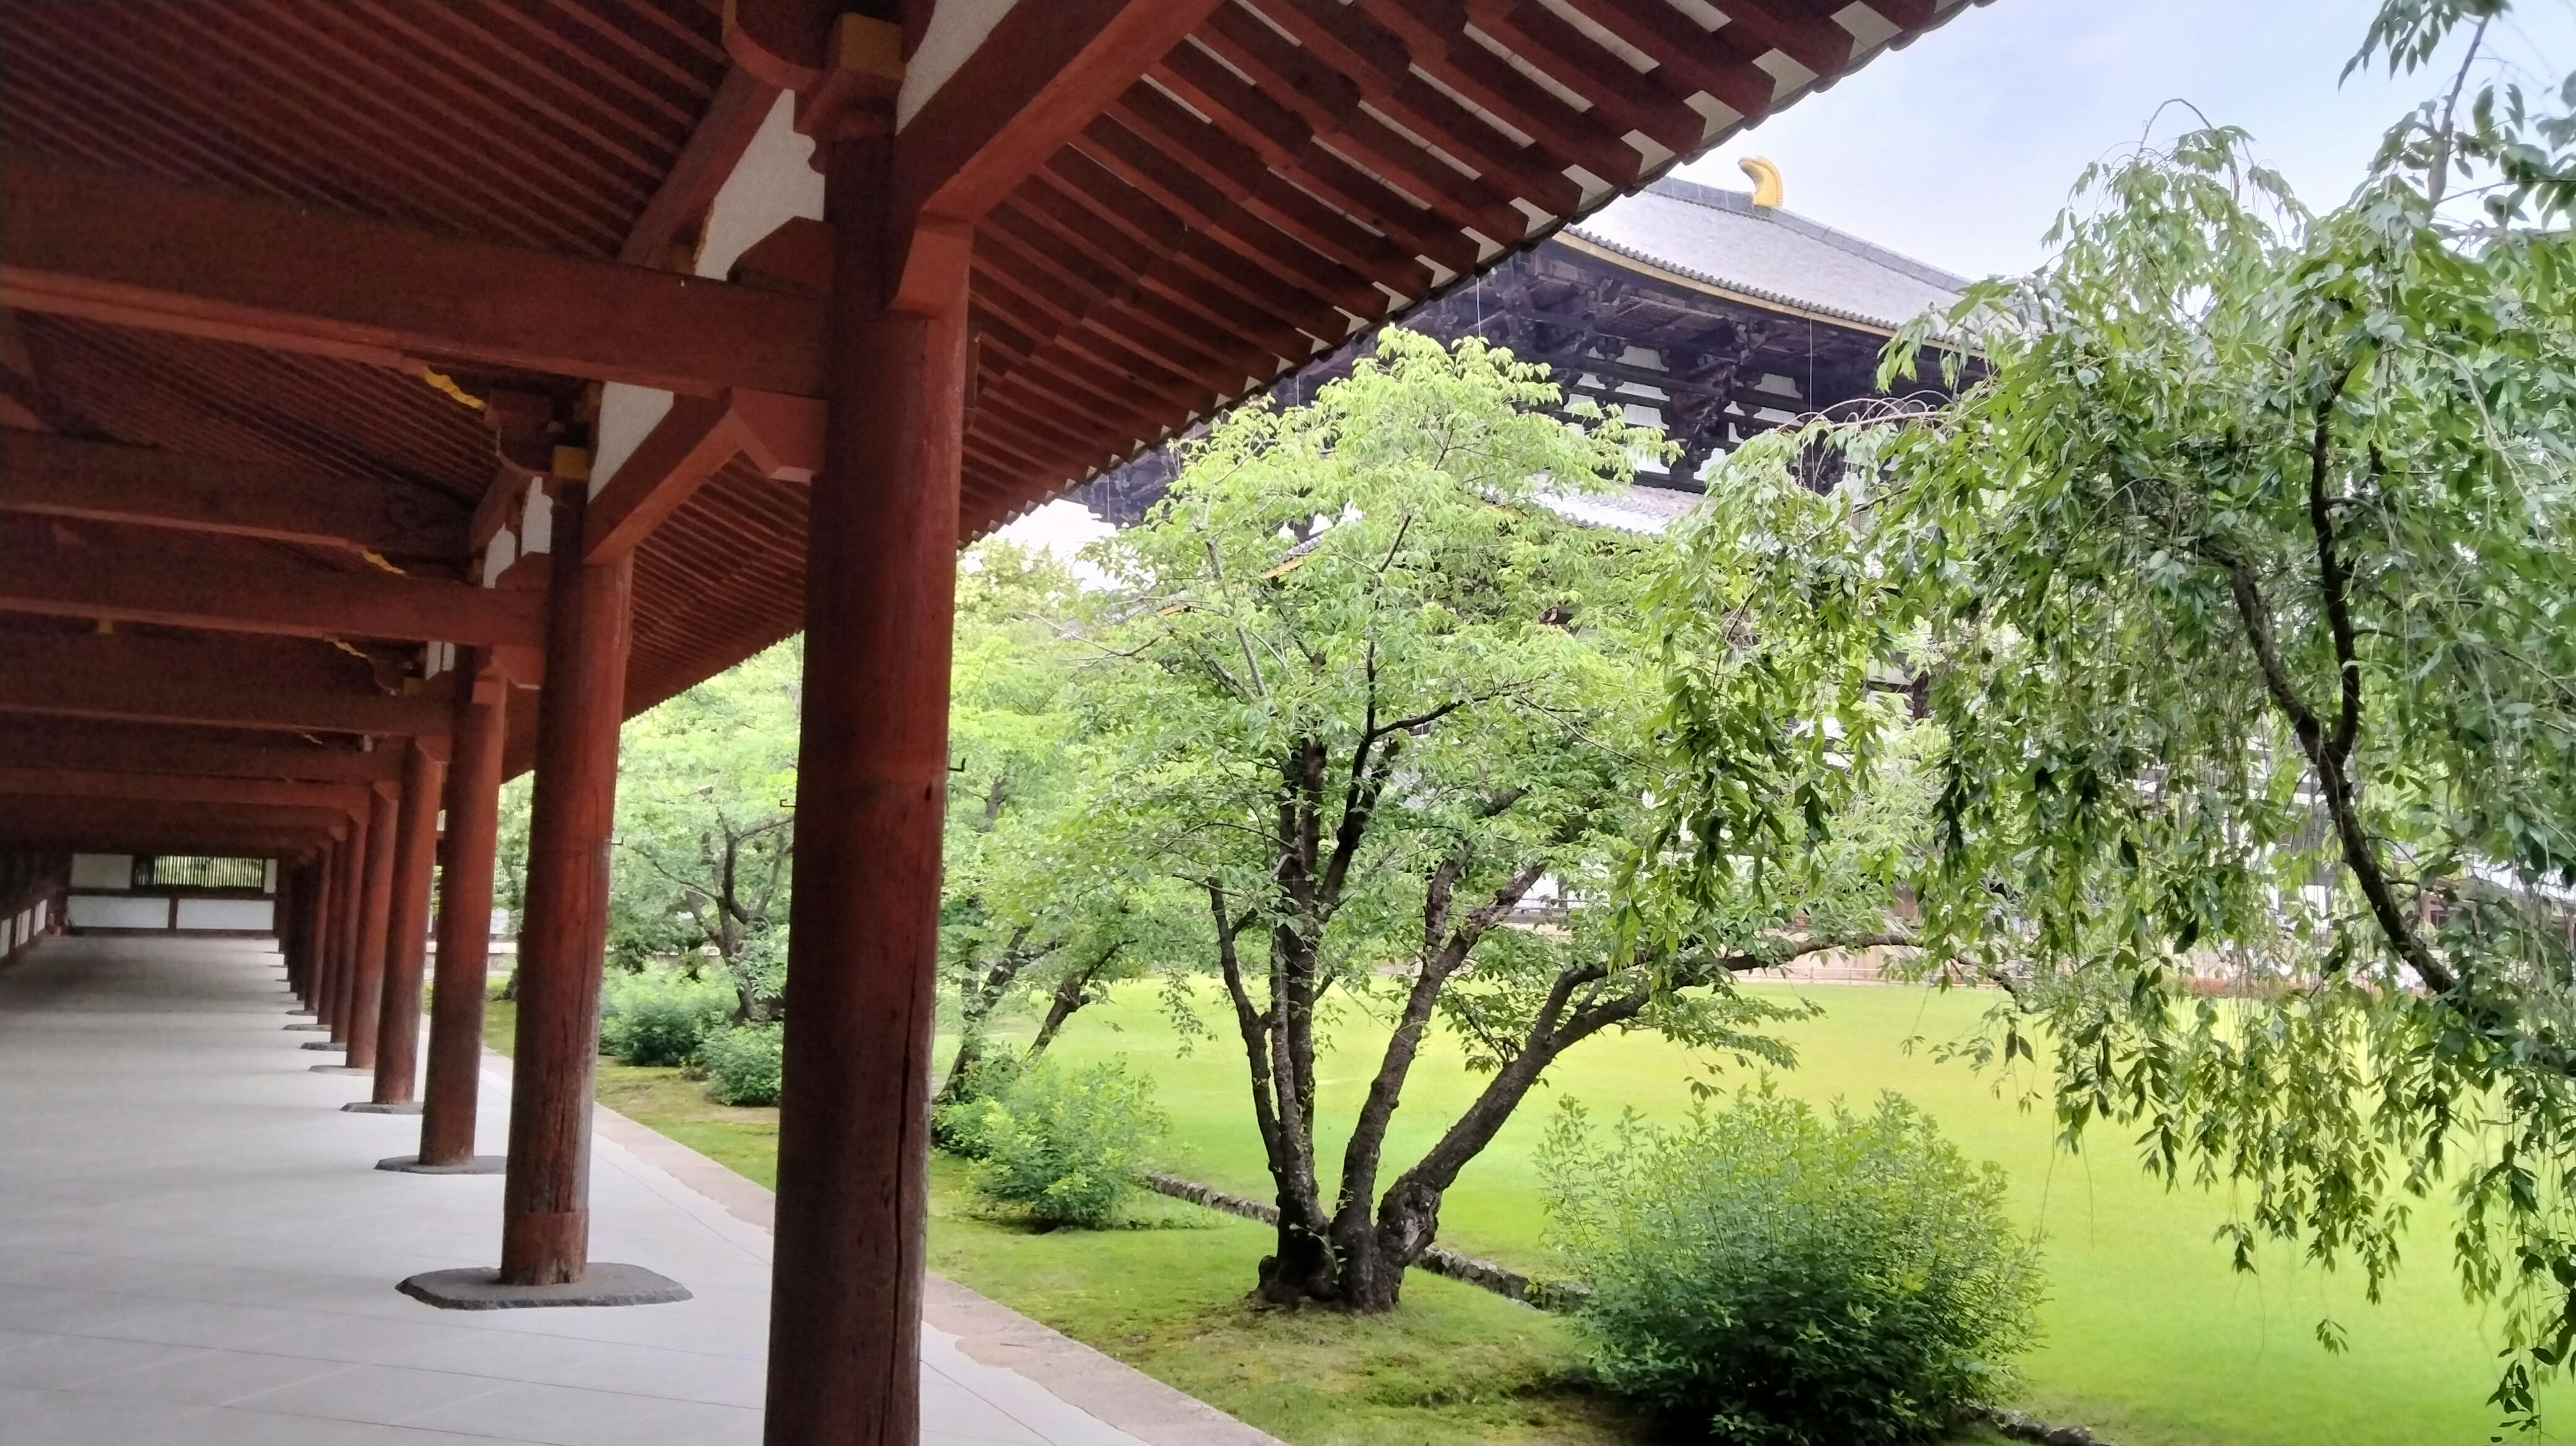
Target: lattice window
(170, 871)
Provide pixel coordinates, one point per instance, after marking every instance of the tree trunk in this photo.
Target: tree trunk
(1303, 1269)
(976, 1001)
(1071, 993)
(970, 1053)
(1372, 1274)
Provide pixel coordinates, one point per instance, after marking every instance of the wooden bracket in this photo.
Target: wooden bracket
(853, 96)
(780, 41)
(782, 435)
(934, 267)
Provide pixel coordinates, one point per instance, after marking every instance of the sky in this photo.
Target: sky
(1960, 149)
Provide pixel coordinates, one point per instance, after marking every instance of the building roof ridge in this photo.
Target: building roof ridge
(1718, 198)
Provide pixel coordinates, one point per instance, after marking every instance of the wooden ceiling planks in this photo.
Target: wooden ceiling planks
(1288, 175)
(541, 124)
(243, 403)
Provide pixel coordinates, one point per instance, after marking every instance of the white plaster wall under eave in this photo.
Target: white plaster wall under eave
(773, 182)
(956, 30)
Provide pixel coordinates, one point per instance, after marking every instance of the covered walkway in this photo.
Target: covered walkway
(395, 398)
(194, 1248)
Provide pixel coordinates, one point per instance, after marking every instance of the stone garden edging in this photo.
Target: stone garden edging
(1439, 1259)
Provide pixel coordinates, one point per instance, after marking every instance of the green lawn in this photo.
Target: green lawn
(2150, 1338)
(1456, 1367)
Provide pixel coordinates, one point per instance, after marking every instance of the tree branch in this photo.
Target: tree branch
(2358, 853)
(2333, 582)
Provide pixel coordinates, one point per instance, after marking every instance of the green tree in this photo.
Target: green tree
(1031, 905)
(1376, 705)
(2241, 578)
(510, 866)
(706, 826)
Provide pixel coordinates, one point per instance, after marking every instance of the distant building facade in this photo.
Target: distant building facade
(1687, 306)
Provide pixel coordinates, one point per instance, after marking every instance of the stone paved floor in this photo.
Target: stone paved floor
(195, 1248)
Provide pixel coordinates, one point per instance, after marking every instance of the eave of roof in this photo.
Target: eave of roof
(1743, 239)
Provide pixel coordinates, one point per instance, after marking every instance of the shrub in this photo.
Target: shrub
(1067, 1148)
(743, 1063)
(658, 1016)
(1773, 1277)
(958, 1120)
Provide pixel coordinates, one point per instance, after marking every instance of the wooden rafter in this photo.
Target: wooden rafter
(49, 476)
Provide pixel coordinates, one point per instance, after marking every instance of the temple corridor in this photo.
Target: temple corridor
(195, 1248)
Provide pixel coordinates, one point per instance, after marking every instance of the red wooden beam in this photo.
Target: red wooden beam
(94, 836)
(134, 748)
(285, 599)
(49, 476)
(361, 1005)
(145, 253)
(1908, 14)
(178, 788)
(845, 1295)
(1043, 74)
(694, 440)
(398, 1012)
(1699, 58)
(1652, 103)
(161, 680)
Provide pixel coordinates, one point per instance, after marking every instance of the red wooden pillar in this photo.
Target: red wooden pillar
(315, 925)
(359, 1005)
(317, 908)
(545, 1205)
(880, 580)
(348, 890)
(283, 917)
(326, 942)
(415, 846)
(464, 919)
(295, 902)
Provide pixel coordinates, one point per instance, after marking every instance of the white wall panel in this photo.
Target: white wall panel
(226, 913)
(105, 911)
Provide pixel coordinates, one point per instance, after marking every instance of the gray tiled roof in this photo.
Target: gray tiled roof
(1721, 238)
(1630, 509)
